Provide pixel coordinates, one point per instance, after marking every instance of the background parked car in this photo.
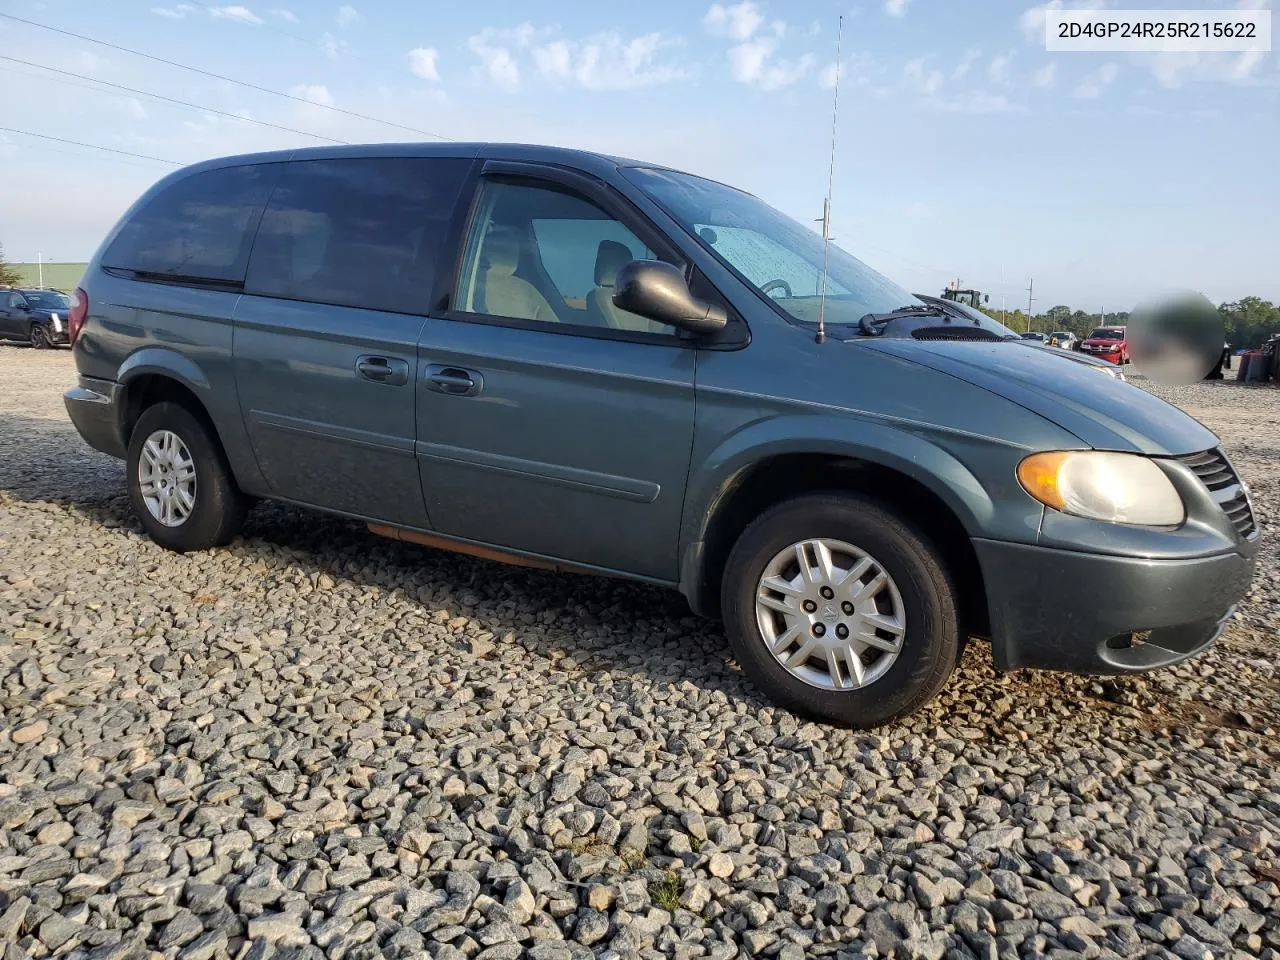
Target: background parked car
(1108, 343)
(38, 317)
(1064, 339)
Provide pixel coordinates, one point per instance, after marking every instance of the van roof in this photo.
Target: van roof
(581, 159)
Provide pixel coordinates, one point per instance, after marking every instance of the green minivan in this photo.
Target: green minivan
(581, 362)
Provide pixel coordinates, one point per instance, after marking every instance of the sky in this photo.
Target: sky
(964, 150)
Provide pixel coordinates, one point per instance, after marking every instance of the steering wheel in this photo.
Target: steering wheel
(776, 285)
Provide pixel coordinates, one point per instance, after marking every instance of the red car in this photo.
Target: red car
(1108, 343)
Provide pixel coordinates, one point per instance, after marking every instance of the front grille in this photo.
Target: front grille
(1216, 473)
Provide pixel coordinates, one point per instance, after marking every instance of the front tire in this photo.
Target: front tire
(179, 482)
(39, 337)
(840, 610)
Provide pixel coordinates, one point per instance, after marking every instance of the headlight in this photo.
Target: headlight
(1116, 487)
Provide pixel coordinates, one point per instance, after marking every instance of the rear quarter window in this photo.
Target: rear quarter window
(198, 228)
(359, 232)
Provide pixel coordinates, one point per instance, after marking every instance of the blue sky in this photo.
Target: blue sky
(965, 149)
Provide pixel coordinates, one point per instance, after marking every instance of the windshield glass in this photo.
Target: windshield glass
(1062, 335)
(1107, 333)
(48, 300)
(775, 254)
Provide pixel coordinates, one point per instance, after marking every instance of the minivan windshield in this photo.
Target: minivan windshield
(1107, 333)
(778, 256)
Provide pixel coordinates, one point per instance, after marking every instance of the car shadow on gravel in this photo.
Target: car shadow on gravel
(580, 622)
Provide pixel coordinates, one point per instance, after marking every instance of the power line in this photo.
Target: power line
(91, 146)
(220, 77)
(181, 103)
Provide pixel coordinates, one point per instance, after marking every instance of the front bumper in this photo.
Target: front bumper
(94, 411)
(1054, 609)
(1111, 356)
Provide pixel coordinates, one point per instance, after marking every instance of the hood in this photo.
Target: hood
(1104, 412)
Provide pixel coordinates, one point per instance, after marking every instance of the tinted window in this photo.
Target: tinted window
(360, 233)
(200, 227)
(540, 253)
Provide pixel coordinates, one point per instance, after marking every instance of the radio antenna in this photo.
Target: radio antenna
(826, 204)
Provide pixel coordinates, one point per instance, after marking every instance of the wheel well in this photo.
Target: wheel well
(793, 475)
(148, 390)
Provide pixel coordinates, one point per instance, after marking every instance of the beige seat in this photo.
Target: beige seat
(611, 257)
(502, 293)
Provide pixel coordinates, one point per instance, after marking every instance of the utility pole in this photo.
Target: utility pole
(1030, 287)
(40, 269)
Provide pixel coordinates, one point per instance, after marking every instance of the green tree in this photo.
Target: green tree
(8, 275)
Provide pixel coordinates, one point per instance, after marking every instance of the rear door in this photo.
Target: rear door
(543, 426)
(326, 334)
(12, 318)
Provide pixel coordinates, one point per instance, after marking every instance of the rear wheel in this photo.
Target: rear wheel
(838, 609)
(179, 482)
(39, 337)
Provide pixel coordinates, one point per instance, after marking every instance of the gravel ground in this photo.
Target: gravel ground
(317, 743)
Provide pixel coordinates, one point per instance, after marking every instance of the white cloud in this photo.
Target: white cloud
(753, 63)
(422, 63)
(1093, 85)
(737, 23)
(967, 61)
(494, 48)
(926, 81)
(1033, 19)
(174, 13)
(998, 69)
(238, 13)
(333, 47)
(1173, 70)
(315, 92)
(288, 16)
(976, 101)
(1046, 75)
(603, 61)
(347, 17)
(134, 108)
(607, 62)
(896, 8)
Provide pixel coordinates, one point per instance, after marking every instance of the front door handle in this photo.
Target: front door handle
(387, 370)
(455, 381)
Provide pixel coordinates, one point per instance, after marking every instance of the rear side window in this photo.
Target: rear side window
(363, 232)
(199, 228)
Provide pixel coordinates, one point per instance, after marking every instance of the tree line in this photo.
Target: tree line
(1247, 322)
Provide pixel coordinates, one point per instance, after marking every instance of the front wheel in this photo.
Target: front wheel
(39, 337)
(179, 482)
(840, 610)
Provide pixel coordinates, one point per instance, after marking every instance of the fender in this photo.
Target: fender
(916, 451)
(220, 404)
(167, 363)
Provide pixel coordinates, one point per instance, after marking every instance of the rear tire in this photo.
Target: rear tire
(39, 337)
(179, 482)
(917, 600)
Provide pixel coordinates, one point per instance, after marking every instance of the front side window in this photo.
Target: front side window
(16, 300)
(199, 228)
(361, 232)
(544, 254)
(778, 256)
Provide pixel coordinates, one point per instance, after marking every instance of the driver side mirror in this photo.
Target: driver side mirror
(658, 291)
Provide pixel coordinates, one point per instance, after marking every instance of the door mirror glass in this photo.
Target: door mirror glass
(658, 291)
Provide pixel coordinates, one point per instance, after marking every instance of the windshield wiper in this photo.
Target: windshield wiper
(873, 324)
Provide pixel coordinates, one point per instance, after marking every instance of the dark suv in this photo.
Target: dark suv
(587, 363)
(38, 317)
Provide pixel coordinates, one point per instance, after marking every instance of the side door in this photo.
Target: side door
(12, 315)
(326, 334)
(550, 422)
